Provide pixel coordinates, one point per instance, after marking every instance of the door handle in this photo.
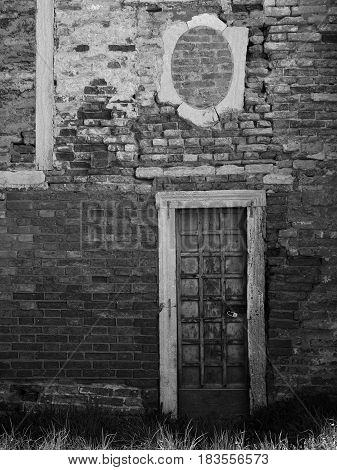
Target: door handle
(229, 312)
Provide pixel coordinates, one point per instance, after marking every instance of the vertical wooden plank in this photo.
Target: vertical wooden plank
(45, 84)
(168, 313)
(201, 296)
(244, 227)
(179, 216)
(255, 299)
(223, 296)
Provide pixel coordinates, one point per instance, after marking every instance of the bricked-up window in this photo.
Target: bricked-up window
(204, 68)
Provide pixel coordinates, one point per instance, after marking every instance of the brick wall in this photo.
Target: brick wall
(85, 313)
(116, 145)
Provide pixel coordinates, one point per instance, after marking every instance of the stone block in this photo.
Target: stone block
(318, 156)
(305, 37)
(159, 142)
(275, 178)
(288, 233)
(307, 9)
(324, 97)
(287, 28)
(263, 108)
(259, 168)
(278, 37)
(304, 164)
(189, 171)
(277, 11)
(247, 125)
(26, 178)
(264, 124)
(176, 142)
(260, 131)
(190, 157)
(148, 172)
(249, 117)
(286, 3)
(269, 3)
(221, 156)
(230, 170)
(277, 46)
(291, 146)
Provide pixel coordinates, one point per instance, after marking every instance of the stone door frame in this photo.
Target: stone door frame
(167, 203)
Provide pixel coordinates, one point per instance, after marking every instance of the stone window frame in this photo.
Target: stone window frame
(167, 203)
(45, 18)
(44, 104)
(237, 38)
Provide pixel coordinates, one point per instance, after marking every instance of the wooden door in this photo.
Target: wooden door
(211, 305)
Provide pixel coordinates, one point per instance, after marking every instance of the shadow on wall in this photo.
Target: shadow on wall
(291, 416)
(296, 415)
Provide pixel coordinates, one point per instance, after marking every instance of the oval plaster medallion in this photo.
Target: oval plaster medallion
(202, 67)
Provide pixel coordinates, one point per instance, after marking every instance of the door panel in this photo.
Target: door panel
(208, 403)
(211, 283)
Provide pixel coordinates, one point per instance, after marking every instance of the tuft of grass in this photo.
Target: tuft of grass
(325, 440)
(308, 424)
(168, 439)
(229, 439)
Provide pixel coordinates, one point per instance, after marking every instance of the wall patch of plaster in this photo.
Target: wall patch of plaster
(204, 68)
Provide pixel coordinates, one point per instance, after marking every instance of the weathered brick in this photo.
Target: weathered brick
(306, 9)
(189, 171)
(325, 97)
(304, 37)
(278, 179)
(160, 142)
(304, 164)
(148, 173)
(252, 148)
(262, 168)
(262, 131)
(277, 11)
(286, 3)
(230, 170)
(176, 142)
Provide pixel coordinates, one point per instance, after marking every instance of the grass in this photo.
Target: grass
(308, 424)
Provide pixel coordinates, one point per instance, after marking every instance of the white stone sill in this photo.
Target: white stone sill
(22, 179)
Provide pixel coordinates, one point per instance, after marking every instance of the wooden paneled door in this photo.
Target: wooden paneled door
(211, 247)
